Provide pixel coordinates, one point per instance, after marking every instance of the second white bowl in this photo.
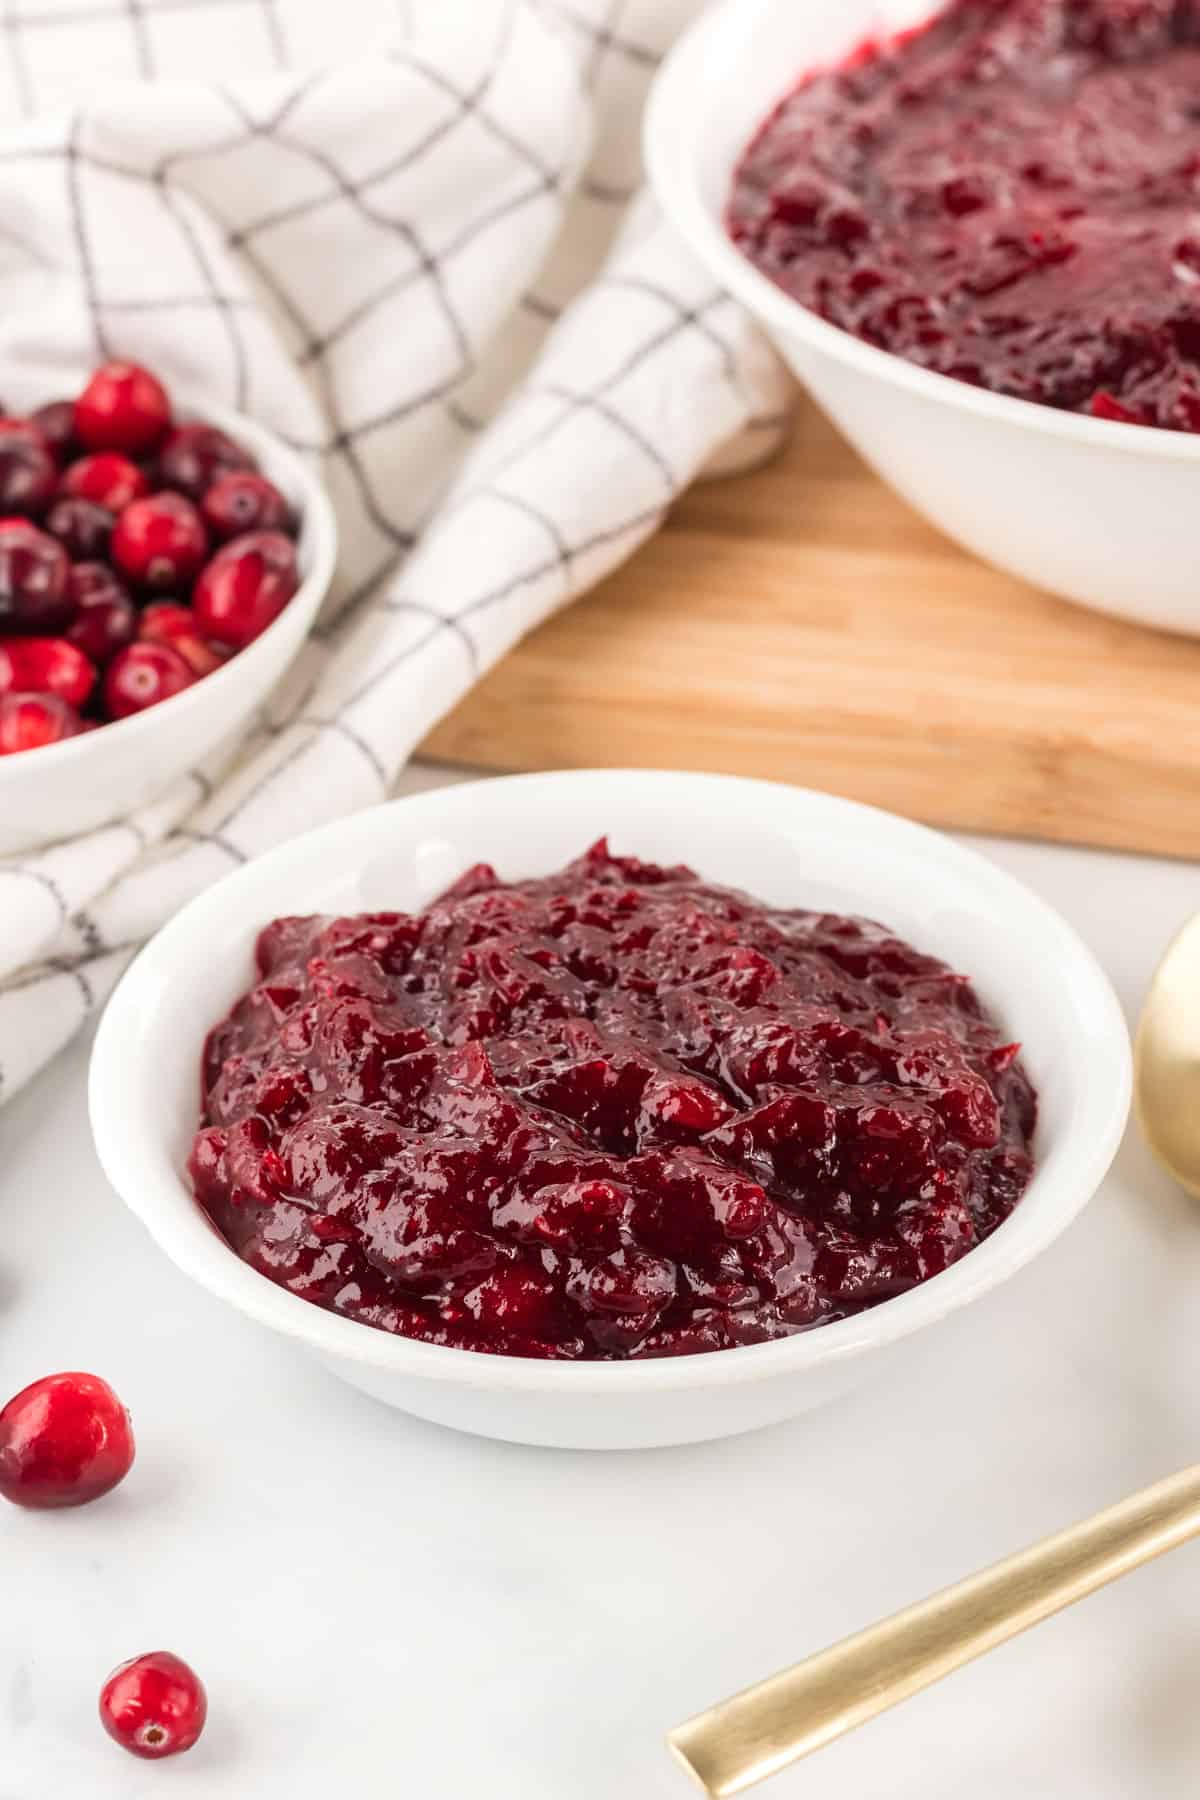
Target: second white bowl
(1095, 511)
(75, 786)
(787, 845)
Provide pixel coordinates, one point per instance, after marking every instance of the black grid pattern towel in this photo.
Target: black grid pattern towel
(409, 239)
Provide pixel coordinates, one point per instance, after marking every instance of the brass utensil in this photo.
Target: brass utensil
(759, 1732)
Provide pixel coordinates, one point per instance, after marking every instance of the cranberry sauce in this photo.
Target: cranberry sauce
(1010, 195)
(610, 1113)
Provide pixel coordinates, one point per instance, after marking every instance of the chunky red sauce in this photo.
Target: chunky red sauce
(1010, 195)
(613, 1112)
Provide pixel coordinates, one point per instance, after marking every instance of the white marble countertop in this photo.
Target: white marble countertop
(383, 1608)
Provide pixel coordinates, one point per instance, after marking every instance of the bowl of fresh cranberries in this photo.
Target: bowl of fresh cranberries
(610, 1109)
(985, 276)
(160, 566)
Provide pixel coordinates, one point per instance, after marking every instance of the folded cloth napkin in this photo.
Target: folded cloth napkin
(410, 241)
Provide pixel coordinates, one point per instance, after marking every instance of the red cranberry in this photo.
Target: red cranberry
(63, 1441)
(142, 676)
(28, 472)
(245, 588)
(242, 501)
(56, 422)
(81, 527)
(193, 456)
(33, 579)
(160, 543)
(108, 479)
(123, 407)
(45, 665)
(30, 721)
(154, 1705)
(1106, 406)
(628, 1281)
(105, 617)
(170, 623)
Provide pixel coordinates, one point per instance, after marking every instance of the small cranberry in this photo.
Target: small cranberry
(108, 479)
(123, 407)
(64, 1440)
(169, 623)
(160, 543)
(154, 1705)
(193, 456)
(105, 617)
(81, 527)
(245, 588)
(28, 471)
(629, 1281)
(1106, 406)
(31, 721)
(45, 665)
(144, 675)
(242, 501)
(56, 422)
(33, 579)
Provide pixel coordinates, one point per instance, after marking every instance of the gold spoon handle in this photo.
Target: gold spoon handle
(760, 1731)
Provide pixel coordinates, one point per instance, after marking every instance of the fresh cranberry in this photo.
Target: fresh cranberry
(64, 1440)
(28, 471)
(123, 407)
(33, 579)
(82, 528)
(169, 623)
(31, 721)
(160, 543)
(242, 501)
(33, 665)
(245, 588)
(56, 422)
(193, 456)
(110, 480)
(144, 675)
(105, 617)
(154, 1705)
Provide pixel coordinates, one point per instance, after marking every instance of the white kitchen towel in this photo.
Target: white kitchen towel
(409, 239)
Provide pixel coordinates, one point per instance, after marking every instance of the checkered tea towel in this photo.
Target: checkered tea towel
(409, 240)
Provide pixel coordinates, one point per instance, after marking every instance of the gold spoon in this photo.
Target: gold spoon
(759, 1732)
(1166, 1061)
(762, 1730)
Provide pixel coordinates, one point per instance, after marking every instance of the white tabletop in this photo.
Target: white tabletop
(386, 1609)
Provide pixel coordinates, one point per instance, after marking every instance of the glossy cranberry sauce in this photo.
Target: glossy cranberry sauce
(610, 1113)
(1010, 195)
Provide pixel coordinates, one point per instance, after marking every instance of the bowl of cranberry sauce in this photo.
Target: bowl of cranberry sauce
(160, 565)
(971, 230)
(602, 1143)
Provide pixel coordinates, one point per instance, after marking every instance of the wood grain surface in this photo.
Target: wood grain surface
(801, 623)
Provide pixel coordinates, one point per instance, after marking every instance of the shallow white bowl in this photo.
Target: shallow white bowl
(88, 781)
(787, 845)
(1098, 512)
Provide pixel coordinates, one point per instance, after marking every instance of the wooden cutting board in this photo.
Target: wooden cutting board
(802, 623)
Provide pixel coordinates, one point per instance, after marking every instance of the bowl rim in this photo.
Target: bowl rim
(318, 527)
(139, 1165)
(671, 134)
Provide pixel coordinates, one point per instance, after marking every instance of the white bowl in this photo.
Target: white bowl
(88, 781)
(1098, 512)
(787, 845)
